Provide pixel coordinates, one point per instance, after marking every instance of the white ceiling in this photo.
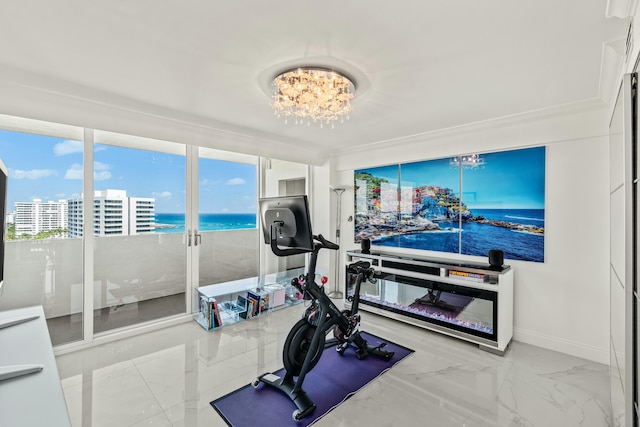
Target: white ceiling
(419, 66)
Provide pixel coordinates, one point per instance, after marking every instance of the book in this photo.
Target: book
(265, 302)
(250, 309)
(205, 311)
(216, 313)
(243, 306)
(465, 275)
(210, 314)
(258, 301)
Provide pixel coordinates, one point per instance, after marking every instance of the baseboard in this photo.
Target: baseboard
(573, 348)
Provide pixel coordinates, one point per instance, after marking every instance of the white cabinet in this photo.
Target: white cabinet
(35, 399)
(466, 300)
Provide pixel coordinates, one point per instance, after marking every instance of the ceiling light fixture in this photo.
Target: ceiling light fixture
(312, 94)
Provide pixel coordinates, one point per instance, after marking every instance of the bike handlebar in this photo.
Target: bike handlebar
(325, 243)
(358, 267)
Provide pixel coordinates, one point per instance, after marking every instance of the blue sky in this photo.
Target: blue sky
(51, 169)
(508, 180)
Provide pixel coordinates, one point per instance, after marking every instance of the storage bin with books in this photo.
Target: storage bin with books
(224, 304)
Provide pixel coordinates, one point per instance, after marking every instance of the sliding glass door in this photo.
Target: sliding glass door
(108, 231)
(139, 223)
(227, 227)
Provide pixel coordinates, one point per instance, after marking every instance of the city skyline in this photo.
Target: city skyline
(51, 169)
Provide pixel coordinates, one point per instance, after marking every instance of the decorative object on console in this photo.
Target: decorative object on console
(496, 258)
(365, 245)
(312, 94)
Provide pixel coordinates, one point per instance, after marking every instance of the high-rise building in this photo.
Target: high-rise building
(114, 213)
(35, 216)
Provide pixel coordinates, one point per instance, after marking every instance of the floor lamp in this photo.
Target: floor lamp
(336, 291)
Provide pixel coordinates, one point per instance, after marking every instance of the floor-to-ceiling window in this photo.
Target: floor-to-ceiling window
(108, 231)
(139, 214)
(43, 261)
(227, 223)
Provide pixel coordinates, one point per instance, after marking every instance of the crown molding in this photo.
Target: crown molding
(471, 128)
(35, 96)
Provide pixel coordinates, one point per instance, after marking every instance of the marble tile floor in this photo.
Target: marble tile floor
(168, 378)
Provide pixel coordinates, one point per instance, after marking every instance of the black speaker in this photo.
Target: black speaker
(365, 245)
(496, 258)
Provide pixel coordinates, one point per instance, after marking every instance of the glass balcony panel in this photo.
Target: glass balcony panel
(43, 263)
(47, 272)
(150, 287)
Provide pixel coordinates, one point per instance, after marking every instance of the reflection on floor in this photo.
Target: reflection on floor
(168, 378)
(67, 329)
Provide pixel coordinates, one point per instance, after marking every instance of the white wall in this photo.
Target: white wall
(561, 304)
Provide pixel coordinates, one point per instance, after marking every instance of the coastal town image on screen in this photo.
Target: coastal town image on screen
(467, 204)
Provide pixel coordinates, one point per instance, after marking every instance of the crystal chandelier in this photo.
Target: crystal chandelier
(470, 161)
(312, 94)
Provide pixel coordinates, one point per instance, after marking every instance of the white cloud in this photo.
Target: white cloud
(74, 172)
(162, 195)
(31, 174)
(236, 181)
(101, 171)
(210, 182)
(102, 176)
(68, 147)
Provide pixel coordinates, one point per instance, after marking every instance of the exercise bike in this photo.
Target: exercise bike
(307, 339)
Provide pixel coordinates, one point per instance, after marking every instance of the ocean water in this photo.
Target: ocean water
(519, 216)
(477, 239)
(175, 223)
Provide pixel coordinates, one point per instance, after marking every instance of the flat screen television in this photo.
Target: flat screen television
(465, 205)
(4, 173)
(287, 220)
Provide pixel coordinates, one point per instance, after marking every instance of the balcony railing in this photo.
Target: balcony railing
(127, 269)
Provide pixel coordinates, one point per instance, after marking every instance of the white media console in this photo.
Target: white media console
(466, 300)
(35, 398)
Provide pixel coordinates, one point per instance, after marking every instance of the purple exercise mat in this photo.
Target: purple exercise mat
(332, 381)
